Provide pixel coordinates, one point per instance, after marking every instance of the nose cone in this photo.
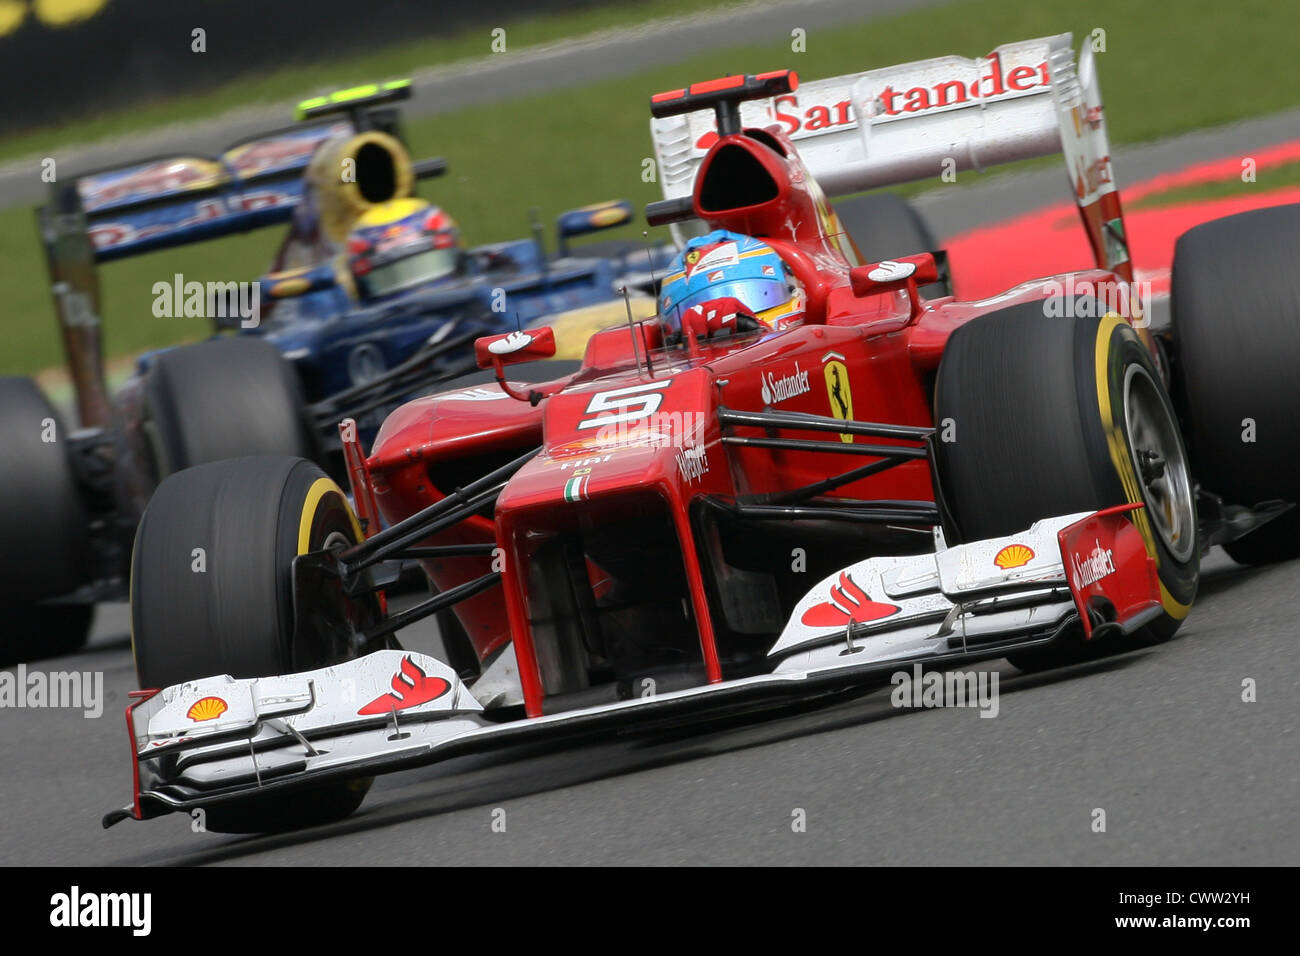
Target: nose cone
(472, 420)
(630, 433)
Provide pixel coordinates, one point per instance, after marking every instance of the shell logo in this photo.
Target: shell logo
(209, 708)
(1013, 556)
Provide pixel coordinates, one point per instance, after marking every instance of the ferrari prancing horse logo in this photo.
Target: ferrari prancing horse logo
(838, 389)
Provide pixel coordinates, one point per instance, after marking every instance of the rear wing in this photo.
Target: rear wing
(901, 123)
(167, 201)
(174, 200)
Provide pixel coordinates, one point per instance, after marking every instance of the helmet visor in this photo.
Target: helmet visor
(757, 294)
(411, 271)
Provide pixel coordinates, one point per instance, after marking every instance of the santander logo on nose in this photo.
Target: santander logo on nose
(411, 688)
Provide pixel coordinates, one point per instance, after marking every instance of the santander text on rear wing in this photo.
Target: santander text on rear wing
(918, 120)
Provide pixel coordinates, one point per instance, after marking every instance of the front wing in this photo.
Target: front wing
(216, 740)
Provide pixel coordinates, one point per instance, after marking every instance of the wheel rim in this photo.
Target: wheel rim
(1160, 463)
(336, 541)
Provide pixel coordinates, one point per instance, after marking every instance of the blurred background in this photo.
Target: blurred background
(536, 104)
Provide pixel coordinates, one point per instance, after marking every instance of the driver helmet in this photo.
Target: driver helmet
(402, 243)
(731, 265)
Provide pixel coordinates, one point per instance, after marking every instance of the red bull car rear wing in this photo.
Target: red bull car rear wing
(174, 200)
(168, 201)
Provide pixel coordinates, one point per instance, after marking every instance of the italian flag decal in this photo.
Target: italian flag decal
(575, 489)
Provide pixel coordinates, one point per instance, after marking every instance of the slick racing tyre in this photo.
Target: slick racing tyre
(886, 226)
(1052, 416)
(211, 593)
(224, 398)
(1236, 324)
(45, 527)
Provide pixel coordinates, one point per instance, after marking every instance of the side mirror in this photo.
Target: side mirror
(890, 275)
(589, 219)
(498, 351)
(494, 351)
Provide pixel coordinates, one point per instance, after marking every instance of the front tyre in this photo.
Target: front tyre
(211, 593)
(1053, 416)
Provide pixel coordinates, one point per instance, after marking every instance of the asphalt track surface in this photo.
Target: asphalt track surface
(1160, 739)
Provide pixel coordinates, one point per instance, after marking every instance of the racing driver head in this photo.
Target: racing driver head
(402, 243)
(727, 266)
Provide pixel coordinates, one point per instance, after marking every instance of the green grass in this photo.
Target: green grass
(1161, 73)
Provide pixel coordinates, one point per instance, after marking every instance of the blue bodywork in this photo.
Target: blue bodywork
(336, 342)
(313, 305)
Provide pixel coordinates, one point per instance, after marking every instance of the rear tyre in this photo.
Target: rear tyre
(250, 517)
(1236, 322)
(45, 527)
(1053, 416)
(887, 226)
(224, 398)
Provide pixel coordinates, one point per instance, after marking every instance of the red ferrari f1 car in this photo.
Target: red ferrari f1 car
(732, 504)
